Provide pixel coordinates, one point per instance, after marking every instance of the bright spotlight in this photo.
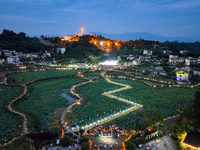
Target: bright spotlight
(101, 43)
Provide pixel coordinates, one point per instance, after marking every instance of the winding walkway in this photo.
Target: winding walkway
(134, 106)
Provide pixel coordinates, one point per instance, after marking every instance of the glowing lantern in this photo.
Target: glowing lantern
(82, 29)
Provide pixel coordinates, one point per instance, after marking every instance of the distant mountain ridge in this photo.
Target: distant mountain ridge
(146, 36)
(134, 36)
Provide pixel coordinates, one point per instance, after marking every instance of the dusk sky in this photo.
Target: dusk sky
(160, 17)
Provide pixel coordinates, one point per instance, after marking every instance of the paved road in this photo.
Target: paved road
(170, 144)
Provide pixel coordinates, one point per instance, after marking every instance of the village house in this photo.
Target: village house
(192, 61)
(184, 52)
(196, 72)
(167, 52)
(46, 54)
(147, 52)
(136, 61)
(62, 50)
(130, 57)
(8, 53)
(2, 60)
(24, 55)
(182, 73)
(13, 60)
(175, 60)
(35, 55)
(159, 72)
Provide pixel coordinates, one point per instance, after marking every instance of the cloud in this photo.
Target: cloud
(164, 5)
(34, 1)
(10, 17)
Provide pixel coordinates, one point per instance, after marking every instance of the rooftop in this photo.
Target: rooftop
(192, 139)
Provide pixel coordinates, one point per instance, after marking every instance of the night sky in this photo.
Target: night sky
(52, 17)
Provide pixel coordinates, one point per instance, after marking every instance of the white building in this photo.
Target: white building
(147, 52)
(25, 55)
(196, 72)
(167, 52)
(46, 54)
(2, 60)
(175, 60)
(35, 55)
(8, 53)
(60, 49)
(184, 52)
(192, 61)
(13, 60)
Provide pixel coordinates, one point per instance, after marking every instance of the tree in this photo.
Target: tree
(196, 107)
(3, 55)
(151, 117)
(85, 146)
(129, 145)
(66, 141)
(56, 121)
(59, 55)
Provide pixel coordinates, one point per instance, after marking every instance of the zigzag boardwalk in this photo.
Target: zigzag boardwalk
(134, 106)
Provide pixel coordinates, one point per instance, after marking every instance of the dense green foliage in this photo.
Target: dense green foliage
(66, 141)
(22, 78)
(19, 42)
(82, 49)
(129, 145)
(8, 122)
(43, 99)
(168, 100)
(85, 146)
(97, 106)
(23, 143)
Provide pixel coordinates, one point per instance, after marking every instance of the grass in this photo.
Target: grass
(22, 78)
(9, 122)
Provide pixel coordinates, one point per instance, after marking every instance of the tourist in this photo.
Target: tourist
(104, 146)
(100, 146)
(69, 147)
(157, 146)
(165, 143)
(110, 146)
(107, 144)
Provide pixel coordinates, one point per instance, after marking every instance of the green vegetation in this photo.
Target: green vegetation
(129, 145)
(92, 74)
(168, 100)
(19, 42)
(43, 99)
(23, 143)
(85, 146)
(97, 106)
(9, 122)
(22, 78)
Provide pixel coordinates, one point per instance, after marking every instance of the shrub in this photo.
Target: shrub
(66, 141)
(160, 133)
(84, 139)
(85, 146)
(129, 145)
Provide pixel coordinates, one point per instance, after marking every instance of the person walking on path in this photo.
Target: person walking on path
(165, 143)
(157, 147)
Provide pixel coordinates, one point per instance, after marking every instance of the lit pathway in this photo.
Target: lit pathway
(16, 112)
(134, 106)
(15, 99)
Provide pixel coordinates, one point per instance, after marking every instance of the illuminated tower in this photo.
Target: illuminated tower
(82, 29)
